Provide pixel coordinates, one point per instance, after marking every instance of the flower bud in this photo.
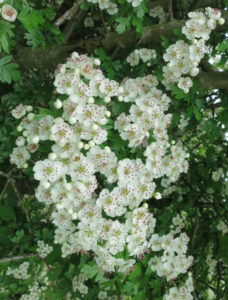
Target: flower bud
(120, 98)
(80, 145)
(221, 21)
(35, 139)
(107, 99)
(52, 156)
(72, 120)
(107, 149)
(74, 216)
(145, 205)
(25, 165)
(30, 116)
(97, 62)
(91, 143)
(46, 184)
(95, 126)
(108, 114)
(58, 104)
(19, 128)
(86, 147)
(91, 100)
(25, 133)
(29, 108)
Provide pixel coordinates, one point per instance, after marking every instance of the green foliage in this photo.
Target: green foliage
(8, 71)
(6, 34)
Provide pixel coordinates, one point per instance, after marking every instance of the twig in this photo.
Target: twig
(7, 259)
(68, 14)
(195, 231)
(13, 184)
(103, 21)
(171, 10)
(115, 51)
(4, 189)
(209, 286)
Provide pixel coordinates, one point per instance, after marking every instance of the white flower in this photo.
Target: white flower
(8, 13)
(185, 83)
(48, 170)
(109, 87)
(19, 156)
(19, 111)
(88, 22)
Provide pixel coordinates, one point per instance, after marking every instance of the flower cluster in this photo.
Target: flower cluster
(216, 175)
(182, 293)
(105, 219)
(183, 58)
(21, 272)
(147, 114)
(158, 12)
(173, 260)
(111, 7)
(43, 249)
(222, 227)
(8, 13)
(79, 285)
(144, 53)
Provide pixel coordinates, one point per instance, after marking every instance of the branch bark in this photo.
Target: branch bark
(8, 259)
(49, 59)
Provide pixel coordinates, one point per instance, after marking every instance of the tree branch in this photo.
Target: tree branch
(8, 259)
(68, 13)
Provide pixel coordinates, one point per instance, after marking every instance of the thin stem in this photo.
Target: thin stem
(8, 259)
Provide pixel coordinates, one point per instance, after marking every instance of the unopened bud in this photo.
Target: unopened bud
(91, 100)
(107, 99)
(86, 147)
(46, 184)
(72, 120)
(52, 156)
(58, 104)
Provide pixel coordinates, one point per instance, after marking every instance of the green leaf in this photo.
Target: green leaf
(124, 24)
(90, 270)
(9, 72)
(179, 94)
(6, 35)
(4, 60)
(197, 113)
(223, 46)
(140, 296)
(223, 117)
(32, 20)
(4, 234)
(7, 213)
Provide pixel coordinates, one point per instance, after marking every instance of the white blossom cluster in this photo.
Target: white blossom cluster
(222, 227)
(43, 249)
(109, 6)
(183, 58)
(85, 219)
(216, 175)
(19, 273)
(8, 13)
(78, 284)
(173, 260)
(181, 293)
(144, 53)
(112, 8)
(147, 113)
(158, 12)
(35, 292)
